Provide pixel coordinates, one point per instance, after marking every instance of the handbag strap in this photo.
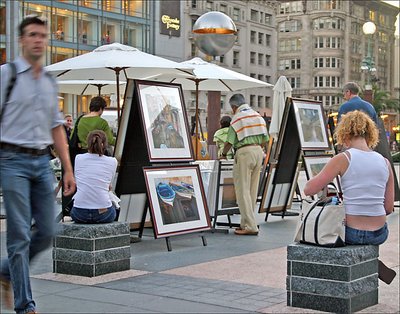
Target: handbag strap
(76, 127)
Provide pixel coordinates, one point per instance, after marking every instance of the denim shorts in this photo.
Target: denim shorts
(355, 236)
(92, 216)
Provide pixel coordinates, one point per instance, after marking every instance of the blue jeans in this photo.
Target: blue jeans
(355, 236)
(93, 216)
(27, 183)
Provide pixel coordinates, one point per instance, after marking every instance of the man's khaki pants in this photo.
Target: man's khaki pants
(246, 176)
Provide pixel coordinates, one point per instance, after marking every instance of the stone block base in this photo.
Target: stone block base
(341, 280)
(92, 249)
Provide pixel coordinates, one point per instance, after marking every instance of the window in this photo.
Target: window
(267, 40)
(260, 100)
(291, 7)
(254, 15)
(289, 64)
(328, 23)
(209, 5)
(260, 59)
(253, 75)
(260, 38)
(194, 4)
(252, 100)
(267, 60)
(268, 79)
(252, 57)
(236, 58)
(294, 82)
(236, 14)
(383, 37)
(223, 8)
(253, 37)
(372, 15)
(355, 29)
(268, 19)
(290, 45)
(290, 26)
(193, 50)
(260, 77)
(267, 101)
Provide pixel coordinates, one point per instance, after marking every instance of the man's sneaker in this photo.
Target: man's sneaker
(6, 293)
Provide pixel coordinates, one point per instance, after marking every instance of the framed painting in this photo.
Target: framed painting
(310, 122)
(165, 121)
(226, 188)
(177, 200)
(314, 164)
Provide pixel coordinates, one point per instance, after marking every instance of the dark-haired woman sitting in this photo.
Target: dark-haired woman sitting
(93, 174)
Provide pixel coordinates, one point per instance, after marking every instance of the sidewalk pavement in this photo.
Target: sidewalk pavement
(232, 274)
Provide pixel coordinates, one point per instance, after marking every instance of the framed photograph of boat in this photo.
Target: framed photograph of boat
(165, 121)
(177, 200)
(311, 126)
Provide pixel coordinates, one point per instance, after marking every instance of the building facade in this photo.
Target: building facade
(77, 27)
(253, 54)
(322, 45)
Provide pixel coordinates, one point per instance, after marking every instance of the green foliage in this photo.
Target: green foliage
(382, 100)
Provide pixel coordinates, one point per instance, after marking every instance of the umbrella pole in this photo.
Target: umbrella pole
(197, 118)
(118, 107)
(99, 88)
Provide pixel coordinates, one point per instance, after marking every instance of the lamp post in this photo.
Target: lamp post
(368, 63)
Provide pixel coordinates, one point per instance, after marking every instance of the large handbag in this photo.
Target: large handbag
(322, 223)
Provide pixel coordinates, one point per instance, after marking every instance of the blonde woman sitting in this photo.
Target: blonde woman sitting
(366, 179)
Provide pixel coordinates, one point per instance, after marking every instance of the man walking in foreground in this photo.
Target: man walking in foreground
(247, 134)
(30, 122)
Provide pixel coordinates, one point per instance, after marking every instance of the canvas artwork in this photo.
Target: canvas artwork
(177, 199)
(165, 121)
(314, 165)
(311, 125)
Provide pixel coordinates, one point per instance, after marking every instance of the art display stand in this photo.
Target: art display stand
(135, 154)
(300, 118)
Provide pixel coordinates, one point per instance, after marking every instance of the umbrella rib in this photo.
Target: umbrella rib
(230, 89)
(62, 73)
(87, 85)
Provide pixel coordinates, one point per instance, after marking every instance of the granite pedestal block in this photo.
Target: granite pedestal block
(340, 280)
(91, 249)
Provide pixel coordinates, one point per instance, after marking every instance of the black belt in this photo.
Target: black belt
(24, 150)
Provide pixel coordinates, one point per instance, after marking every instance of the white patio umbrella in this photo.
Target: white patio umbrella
(107, 61)
(211, 77)
(89, 87)
(282, 90)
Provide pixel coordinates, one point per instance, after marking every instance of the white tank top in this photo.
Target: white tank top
(364, 183)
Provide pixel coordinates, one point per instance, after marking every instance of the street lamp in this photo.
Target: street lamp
(368, 63)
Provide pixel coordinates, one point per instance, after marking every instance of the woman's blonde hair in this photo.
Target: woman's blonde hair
(97, 142)
(357, 124)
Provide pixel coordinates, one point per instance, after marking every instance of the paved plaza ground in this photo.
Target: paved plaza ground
(232, 274)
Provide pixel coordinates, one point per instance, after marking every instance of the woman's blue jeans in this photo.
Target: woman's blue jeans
(27, 184)
(377, 237)
(93, 216)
